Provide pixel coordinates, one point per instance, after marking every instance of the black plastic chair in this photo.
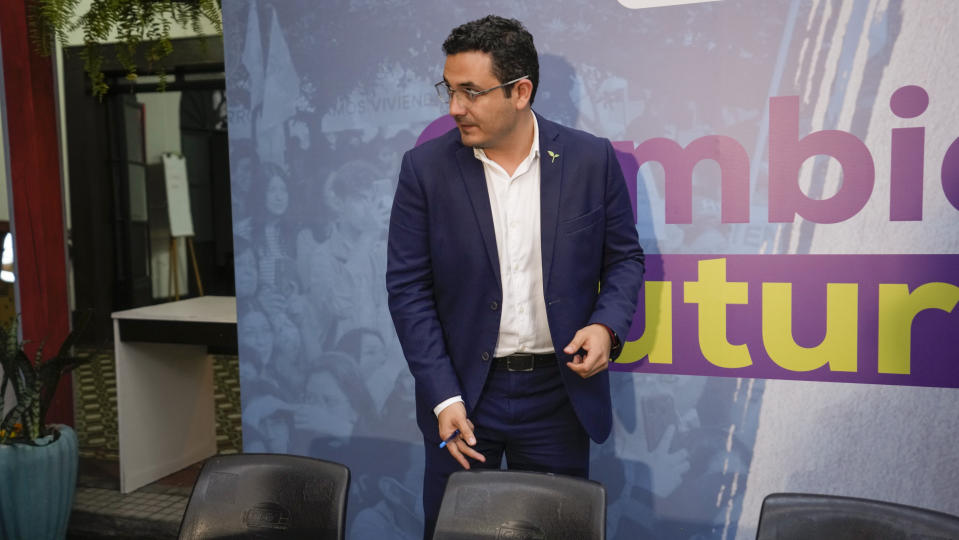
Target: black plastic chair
(796, 516)
(492, 504)
(267, 496)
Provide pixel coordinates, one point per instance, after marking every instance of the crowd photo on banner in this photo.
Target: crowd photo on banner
(324, 98)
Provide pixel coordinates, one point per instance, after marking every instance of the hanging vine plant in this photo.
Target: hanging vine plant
(129, 22)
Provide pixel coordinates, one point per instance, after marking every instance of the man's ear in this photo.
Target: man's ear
(523, 90)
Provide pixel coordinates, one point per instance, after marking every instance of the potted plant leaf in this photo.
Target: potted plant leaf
(130, 22)
(38, 462)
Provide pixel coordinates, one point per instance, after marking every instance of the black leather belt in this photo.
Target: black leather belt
(524, 361)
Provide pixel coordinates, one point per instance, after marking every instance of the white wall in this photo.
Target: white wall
(162, 123)
(162, 114)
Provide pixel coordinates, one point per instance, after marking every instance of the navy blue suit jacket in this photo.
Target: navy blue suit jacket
(443, 269)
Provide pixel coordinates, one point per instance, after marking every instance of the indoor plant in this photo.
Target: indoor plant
(38, 462)
(131, 22)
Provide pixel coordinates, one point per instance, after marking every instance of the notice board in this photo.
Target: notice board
(177, 195)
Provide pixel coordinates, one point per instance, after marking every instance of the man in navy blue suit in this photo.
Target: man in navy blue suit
(513, 271)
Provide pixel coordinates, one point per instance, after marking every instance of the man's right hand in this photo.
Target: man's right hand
(450, 419)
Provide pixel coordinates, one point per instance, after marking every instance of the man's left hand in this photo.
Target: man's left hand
(596, 341)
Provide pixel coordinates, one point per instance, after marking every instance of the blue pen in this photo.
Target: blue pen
(449, 439)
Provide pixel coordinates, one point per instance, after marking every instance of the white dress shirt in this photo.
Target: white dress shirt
(515, 205)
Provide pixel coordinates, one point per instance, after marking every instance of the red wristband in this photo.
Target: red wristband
(613, 338)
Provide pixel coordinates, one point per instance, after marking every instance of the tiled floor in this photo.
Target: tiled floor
(162, 506)
(105, 512)
(154, 511)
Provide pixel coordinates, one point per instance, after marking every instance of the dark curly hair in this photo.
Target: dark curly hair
(507, 42)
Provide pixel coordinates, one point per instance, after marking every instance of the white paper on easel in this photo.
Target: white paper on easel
(177, 195)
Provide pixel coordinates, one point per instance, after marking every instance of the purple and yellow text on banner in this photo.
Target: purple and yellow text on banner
(879, 319)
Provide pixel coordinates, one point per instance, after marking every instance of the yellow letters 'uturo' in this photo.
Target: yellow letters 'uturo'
(657, 338)
(838, 347)
(897, 309)
(713, 293)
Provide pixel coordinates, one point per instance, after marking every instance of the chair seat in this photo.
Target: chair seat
(797, 516)
(267, 496)
(490, 504)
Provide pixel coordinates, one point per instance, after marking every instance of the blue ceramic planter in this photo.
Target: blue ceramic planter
(36, 487)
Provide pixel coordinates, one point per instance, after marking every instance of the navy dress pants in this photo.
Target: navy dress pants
(524, 416)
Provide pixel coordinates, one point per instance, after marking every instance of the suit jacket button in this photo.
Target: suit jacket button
(485, 356)
(493, 305)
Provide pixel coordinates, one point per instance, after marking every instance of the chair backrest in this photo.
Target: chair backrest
(267, 496)
(796, 516)
(521, 505)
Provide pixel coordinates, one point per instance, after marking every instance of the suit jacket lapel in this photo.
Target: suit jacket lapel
(475, 180)
(551, 179)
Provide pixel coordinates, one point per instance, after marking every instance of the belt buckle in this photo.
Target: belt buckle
(523, 362)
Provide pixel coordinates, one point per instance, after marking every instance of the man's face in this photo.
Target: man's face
(256, 333)
(323, 390)
(369, 210)
(488, 121)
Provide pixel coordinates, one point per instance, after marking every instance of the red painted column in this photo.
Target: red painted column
(37, 213)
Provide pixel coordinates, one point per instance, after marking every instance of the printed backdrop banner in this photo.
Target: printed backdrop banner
(794, 171)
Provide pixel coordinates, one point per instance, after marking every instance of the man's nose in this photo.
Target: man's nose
(456, 108)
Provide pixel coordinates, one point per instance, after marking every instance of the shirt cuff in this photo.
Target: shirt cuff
(446, 403)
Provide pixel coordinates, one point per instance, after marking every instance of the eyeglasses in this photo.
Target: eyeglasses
(446, 92)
